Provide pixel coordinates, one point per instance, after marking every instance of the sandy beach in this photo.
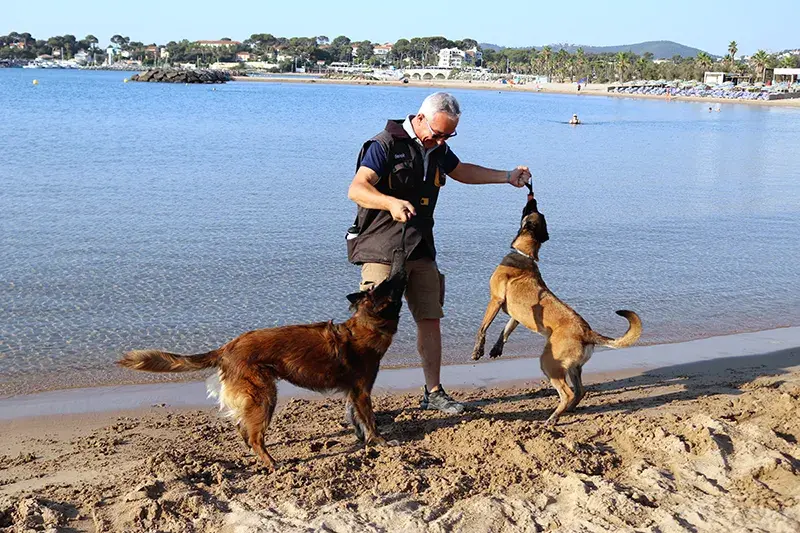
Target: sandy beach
(710, 445)
(592, 89)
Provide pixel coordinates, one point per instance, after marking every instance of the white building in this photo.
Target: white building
(111, 53)
(786, 74)
(456, 58)
(451, 57)
(382, 50)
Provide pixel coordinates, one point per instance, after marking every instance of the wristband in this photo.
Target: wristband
(508, 176)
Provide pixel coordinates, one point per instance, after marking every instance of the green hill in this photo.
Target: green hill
(659, 49)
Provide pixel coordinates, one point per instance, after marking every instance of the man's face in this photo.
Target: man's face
(434, 132)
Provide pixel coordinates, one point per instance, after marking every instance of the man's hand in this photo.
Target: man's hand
(519, 176)
(401, 210)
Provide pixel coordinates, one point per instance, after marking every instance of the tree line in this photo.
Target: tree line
(561, 65)
(289, 52)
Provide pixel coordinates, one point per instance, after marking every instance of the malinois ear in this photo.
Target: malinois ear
(356, 297)
(541, 230)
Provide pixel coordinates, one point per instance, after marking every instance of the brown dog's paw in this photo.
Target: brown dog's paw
(496, 352)
(477, 354)
(268, 468)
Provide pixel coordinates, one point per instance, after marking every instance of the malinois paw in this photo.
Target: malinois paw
(495, 353)
(477, 355)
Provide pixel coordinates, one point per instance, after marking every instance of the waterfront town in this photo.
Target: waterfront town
(672, 70)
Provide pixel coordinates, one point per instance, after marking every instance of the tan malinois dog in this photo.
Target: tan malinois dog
(516, 287)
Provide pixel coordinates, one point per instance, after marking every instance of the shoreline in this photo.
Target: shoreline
(545, 88)
(20, 383)
(507, 372)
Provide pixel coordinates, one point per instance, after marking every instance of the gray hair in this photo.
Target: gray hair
(440, 103)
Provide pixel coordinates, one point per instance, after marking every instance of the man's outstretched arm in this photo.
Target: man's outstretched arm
(476, 174)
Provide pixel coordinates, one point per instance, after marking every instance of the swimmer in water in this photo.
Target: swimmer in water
(574, 120)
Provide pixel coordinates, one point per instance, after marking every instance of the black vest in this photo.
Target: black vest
(375, 234)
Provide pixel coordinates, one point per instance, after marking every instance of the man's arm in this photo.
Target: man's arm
(476, 174)
(363, 192)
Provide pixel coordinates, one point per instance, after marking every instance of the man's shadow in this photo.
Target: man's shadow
(698, 379)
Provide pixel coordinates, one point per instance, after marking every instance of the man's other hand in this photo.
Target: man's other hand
(401, 210)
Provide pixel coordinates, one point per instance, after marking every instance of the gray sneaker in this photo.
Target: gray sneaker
(441, 401)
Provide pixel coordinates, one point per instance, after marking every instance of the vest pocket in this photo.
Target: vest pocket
(401, 178)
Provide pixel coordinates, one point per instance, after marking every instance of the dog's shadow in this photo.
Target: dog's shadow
(697, 379)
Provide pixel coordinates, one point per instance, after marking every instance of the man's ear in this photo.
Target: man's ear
(356, 297)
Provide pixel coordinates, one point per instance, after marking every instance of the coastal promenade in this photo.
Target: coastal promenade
(592, 89)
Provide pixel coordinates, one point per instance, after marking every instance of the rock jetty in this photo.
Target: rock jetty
(183, 76)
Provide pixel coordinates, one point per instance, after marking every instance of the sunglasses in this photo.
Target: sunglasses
(439, 135)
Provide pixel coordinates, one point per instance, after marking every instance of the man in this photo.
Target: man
(574, 119)
(398, 176)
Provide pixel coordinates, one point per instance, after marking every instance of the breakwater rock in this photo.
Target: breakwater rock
(183, 76)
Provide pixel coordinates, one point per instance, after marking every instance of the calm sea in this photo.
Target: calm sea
(171, 216)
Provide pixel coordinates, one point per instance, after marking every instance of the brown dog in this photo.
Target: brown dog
(516, 287)
(322, 357)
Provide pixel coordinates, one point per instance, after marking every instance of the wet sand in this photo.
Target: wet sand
(705, 440)
(593, 89)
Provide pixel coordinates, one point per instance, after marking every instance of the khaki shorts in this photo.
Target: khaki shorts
(425, 290)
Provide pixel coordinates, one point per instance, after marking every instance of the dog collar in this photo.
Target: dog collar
(522, 253)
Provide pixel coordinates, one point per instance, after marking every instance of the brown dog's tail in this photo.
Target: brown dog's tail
(158, 361)
(631, 336)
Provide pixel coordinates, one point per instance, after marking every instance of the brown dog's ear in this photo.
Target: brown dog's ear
(356, 297)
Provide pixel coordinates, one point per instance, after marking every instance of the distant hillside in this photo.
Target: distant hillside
(659, 49)
(490, 46)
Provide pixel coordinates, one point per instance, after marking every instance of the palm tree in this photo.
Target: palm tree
(788, 61)
(561, 63)
(546, 58)
(622, 63)
(759, 61)
(534, 61)
(571, 61)
(580, 61)
(704, 60)
(732, 49)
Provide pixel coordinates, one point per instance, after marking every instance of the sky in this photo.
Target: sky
(709, 25)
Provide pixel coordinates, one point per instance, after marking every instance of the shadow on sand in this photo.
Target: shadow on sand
(695, 380)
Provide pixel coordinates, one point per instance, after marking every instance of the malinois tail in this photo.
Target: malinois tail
(631, 336)
(158, 361)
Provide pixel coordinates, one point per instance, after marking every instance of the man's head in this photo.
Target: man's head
(437, 119)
